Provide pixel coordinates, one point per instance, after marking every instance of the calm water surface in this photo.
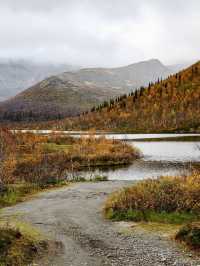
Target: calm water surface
(159, 158)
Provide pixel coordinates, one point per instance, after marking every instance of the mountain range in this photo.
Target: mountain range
(123, 78)
(170, 105)
(73, 92)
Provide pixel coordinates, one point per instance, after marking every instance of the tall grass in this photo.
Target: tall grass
(167, 199)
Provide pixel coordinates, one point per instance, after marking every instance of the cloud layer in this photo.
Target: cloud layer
(100, 32)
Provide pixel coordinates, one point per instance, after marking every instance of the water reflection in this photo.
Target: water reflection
(170, 151)
(160, 158)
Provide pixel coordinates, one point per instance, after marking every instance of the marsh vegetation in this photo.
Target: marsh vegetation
(31, 162)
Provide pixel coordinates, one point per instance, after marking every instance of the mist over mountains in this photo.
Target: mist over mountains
(123, 78)
(18, 75)
(71, 92)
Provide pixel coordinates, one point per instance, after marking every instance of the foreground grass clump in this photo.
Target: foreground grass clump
(11, 194)
(167, 199)
(19, 248)
(190, 235)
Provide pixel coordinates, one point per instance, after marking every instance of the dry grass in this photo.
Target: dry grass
(167, 199)
(41, 161)
(101, 150)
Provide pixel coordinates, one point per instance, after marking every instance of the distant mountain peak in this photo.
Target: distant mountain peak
(71, 92)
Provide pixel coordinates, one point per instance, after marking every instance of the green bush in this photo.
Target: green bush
(190, 234)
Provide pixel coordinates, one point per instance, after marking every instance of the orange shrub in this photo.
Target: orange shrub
(169, 194)
(103, 150)
(38, 159)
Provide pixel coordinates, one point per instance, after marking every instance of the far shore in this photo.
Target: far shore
(120, 136)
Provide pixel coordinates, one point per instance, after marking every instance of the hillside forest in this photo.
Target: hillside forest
(164, 106)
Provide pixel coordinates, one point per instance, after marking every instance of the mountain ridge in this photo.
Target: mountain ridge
(124, 77)
(70, 93)
(170, 105)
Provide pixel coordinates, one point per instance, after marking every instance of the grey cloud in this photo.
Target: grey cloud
(100, 32)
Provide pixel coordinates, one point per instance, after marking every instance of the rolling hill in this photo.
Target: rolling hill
(164, 106)
(70, 93)
(53, 98)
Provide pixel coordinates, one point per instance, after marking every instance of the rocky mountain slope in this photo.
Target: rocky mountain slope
(123, 78)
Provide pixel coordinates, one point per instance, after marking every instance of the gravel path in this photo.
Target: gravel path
(73, 215)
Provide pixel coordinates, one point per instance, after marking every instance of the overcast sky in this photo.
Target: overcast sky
(100, 32)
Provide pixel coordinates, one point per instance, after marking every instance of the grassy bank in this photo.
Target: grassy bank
(94, 151)
(166, 198)
(54, 158)
(179, 138)
(15, 193)
(170, 200)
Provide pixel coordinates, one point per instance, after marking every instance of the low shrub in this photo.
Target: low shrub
(42, 168)
(163, 199)
(60, 139)
(92, 151)
(190, 235)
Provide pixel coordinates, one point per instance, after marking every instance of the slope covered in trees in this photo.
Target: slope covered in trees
(70, 93)
(169, 105)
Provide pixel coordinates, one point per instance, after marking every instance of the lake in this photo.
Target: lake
(159, 158)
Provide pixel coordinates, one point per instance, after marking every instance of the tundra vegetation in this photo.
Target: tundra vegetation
(31, 162)
(173, 200)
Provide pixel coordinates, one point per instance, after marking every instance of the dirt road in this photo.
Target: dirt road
(73, 215)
